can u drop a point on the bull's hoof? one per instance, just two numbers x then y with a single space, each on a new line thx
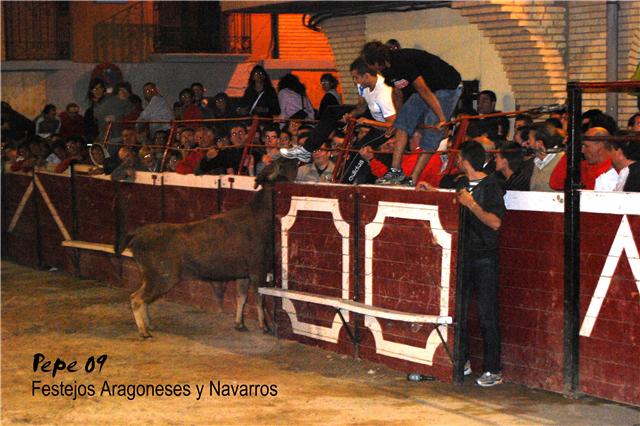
241 327
144 335
266 330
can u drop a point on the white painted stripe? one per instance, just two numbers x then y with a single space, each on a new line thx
331 205
423 212
533 201
610 202
243 183
52 209
590 202
624 241
176 179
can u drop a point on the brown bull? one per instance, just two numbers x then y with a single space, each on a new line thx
236 245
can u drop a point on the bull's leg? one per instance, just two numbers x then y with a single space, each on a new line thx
147 320
264 326
140 314
218 290
241 299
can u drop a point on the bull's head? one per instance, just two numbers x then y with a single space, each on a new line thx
280 169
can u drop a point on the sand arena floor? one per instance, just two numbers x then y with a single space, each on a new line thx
60 316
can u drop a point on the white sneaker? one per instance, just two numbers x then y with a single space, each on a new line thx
297 152
489 379
467 368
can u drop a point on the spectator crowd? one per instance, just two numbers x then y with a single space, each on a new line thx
121 133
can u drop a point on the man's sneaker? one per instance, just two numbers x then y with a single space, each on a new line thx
489 379
392 177
467 368
297 152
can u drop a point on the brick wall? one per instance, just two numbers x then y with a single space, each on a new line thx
588 48
299 42
542 45
346 36
531 42
628 55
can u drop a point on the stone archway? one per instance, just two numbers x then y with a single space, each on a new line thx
530 39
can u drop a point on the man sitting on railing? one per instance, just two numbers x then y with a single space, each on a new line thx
376 97
430 89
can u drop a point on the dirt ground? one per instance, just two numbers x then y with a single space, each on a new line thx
59 316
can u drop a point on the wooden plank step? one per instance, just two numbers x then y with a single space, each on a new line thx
87 245
357 307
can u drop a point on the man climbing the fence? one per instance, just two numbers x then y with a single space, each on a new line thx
428 89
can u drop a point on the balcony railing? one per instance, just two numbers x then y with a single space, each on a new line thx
42 31
232 35
36 30
124 37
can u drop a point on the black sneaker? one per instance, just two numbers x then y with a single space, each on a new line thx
392 177
297 152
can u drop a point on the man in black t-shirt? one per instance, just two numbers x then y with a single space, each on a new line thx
428 89
481 196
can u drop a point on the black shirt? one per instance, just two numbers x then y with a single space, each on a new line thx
489 194
520 180
409 64
268 100
633 180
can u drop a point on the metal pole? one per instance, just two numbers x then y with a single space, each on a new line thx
357 269
571 367
274 260
74 218
612 55
36 217
275 42
460 314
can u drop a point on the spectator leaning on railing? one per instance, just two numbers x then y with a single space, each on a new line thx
157 109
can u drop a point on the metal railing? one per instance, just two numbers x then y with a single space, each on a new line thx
124 37
233 36
37 30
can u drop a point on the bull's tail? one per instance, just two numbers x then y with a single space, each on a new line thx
122 238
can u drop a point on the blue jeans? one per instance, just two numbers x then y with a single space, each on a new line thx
415 111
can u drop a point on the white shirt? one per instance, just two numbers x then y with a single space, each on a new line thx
607 181
291 102
378 100
622 179
541 164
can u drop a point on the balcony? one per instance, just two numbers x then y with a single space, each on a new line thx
36 31
175 27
